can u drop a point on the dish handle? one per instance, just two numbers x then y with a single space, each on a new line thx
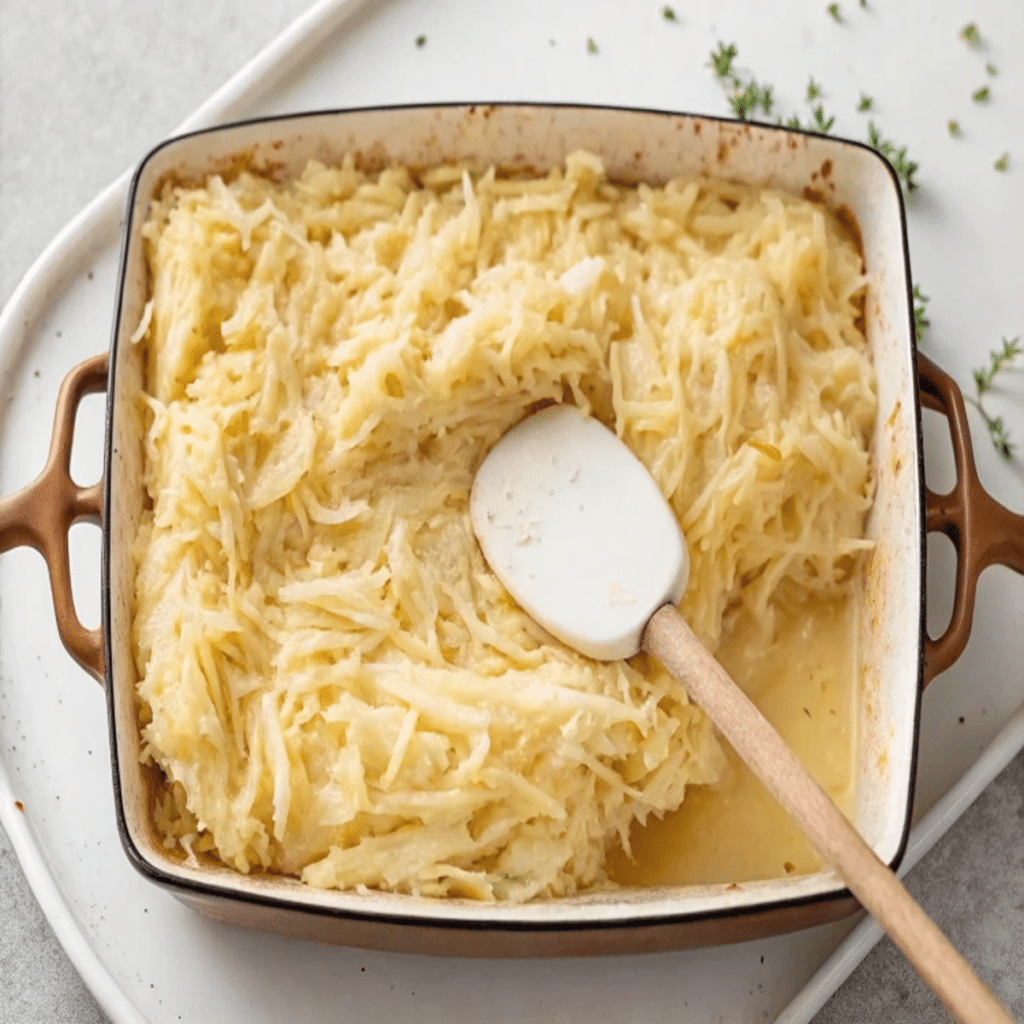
40 515
982 531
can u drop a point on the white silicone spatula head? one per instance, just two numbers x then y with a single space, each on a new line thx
575 527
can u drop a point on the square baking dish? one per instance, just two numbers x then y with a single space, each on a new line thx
635 146
894 656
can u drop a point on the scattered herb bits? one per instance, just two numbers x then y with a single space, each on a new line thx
992 70
668 14
866 103
1002 163
591 45
980 95
421 41
813 90
970 34
953 127
834 12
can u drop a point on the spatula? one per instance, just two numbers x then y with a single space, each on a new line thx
577 530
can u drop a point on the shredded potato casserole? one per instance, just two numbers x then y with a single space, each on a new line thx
332 681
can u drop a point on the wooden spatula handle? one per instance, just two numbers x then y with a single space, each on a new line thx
879 891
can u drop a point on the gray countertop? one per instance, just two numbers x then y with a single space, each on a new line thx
85 89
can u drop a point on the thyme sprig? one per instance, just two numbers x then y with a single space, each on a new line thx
749 98
905 169
985 377
983 382
746 98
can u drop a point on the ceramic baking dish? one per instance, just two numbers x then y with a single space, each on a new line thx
896 658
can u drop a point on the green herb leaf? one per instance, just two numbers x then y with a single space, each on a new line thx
920 320
954 129
866 102
970 34
722 60
668 14
793 122
905 169
980 95
591 45
421 41
833 10
1002 163
821 125
991 69
813 90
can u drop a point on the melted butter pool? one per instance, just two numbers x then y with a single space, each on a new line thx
734 831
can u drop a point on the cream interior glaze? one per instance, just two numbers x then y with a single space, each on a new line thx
735 831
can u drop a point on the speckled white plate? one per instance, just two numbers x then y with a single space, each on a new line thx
134 945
